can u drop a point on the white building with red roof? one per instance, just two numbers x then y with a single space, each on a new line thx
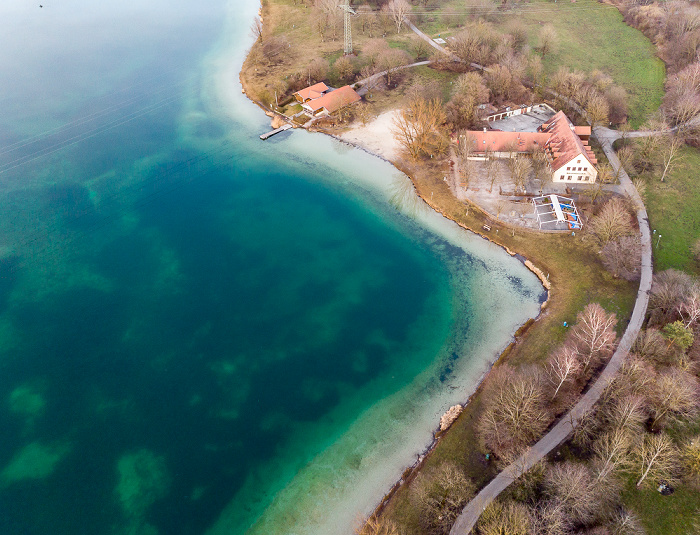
570 156
331 101
568 151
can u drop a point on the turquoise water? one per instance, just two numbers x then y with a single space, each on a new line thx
201 332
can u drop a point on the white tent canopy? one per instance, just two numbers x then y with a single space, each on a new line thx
555 212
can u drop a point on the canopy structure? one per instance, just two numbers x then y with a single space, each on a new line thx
555 212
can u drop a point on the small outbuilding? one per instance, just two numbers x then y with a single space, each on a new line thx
555 212
312 92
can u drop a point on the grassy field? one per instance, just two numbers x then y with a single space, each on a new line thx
590 36
674 212
662 515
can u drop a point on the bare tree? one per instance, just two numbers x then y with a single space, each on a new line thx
597 109
668 291
670 153
373 49
390 60
548 39
492 165
655 458
367 74
520 168
364 113
626 414
594 331
515 411
617 104
499 80
675 395
623 257
572 489
563 367
543 171
417 129
398 10
612 222
501 205
650 345
344 68
689 308
316 70
612 453
510 518
624 522
256 29
635 378
440 494
469 91
682 100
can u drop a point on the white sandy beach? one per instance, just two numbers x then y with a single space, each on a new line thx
376 136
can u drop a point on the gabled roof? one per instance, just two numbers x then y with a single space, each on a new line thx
312 92
497 141
334 100
565 143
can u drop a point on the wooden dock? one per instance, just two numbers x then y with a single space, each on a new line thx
276 131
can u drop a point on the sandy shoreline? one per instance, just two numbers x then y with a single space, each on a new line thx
376 139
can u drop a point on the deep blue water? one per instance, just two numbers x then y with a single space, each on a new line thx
181 305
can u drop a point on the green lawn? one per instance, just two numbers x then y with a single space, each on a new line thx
674 212
662 515
591 36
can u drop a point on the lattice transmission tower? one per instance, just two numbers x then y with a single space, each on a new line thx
345 6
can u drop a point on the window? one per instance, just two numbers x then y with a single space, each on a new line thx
585 168
568 168
578 161
580 177
568 177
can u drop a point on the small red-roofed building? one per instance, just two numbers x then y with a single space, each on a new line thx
332 101
312 92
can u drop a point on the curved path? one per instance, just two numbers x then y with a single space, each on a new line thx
470 514
363 83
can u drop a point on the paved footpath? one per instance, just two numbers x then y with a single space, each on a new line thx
470 514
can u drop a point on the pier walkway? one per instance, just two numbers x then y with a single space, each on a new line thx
276 131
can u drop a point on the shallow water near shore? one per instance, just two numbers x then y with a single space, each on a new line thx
201 332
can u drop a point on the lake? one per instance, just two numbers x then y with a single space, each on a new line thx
201 332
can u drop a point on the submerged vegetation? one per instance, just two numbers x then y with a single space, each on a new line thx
607 72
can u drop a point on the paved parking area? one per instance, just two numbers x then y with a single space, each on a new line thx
526 122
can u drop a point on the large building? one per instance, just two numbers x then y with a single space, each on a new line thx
566 146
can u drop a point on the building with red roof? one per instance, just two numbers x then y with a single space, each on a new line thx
566 146
312 92
332 101
568 152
